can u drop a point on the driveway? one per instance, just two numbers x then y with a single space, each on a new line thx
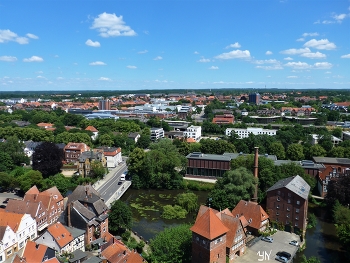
263 251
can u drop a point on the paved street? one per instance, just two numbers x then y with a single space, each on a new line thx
267 251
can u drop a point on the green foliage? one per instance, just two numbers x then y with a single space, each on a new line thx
62 183
216 146
120 217
277 149
173 245
295 152
97 169
197 185
312 220
341 214
6 180
30 178
343 232
309 260
173 212
188 201
234 186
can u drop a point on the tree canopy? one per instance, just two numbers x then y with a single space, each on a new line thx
120 217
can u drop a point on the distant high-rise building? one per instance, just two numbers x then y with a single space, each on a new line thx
104 105
254 98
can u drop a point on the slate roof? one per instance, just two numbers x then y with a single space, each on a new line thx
90 155
252 211
81 209
75 232
209 225
296 184
331 160
81 191
77 255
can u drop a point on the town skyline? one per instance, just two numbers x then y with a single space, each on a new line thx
169 45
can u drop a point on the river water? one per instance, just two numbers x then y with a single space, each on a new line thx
321 241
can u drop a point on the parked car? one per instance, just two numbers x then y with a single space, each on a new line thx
281 259
267 239
284 254
120 182
294 243
6 200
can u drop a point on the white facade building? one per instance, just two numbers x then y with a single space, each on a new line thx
8 243
244 133
157 133
194 132
316 138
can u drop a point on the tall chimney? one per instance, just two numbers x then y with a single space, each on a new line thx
256 167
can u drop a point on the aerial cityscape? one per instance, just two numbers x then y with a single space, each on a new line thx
174 131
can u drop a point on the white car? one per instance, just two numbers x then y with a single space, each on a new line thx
294 243
267 239
281 259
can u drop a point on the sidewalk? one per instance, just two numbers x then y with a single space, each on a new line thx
108 176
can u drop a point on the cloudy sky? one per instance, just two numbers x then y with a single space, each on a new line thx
174 44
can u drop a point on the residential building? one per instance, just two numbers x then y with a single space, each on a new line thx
134 136
38 253
157 133
244 133
8 242
46 126
257 218
87 211
29 147
62 239
334 169
287 203
118 252
184 111
216 235
93 130
315 138
24 227
113 155
50 208
254 98
73 150
194 132
224 119
104 104
86 160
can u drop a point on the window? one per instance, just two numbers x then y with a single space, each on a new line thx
298 202
296 210
278 192
288 201
277 214
277 207
296 217
296 223
21 244
288 209
287 215
9 252
289 194
90 239
278 198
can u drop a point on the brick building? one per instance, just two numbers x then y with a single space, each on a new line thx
287 203
73 150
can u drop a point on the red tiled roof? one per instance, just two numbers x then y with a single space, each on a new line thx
13 220
209 225
253 212
233 224
191 140
34 252
91 128
60 234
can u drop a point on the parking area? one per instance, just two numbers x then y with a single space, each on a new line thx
5 195
263 251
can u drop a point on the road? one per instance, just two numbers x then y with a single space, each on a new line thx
110 186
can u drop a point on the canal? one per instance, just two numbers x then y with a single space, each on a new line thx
147 207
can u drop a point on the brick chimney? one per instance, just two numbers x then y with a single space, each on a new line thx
256 169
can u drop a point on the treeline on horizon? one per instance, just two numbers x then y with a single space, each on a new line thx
344 94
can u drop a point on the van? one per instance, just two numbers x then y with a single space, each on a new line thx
122 177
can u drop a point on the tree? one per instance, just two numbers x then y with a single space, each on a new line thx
173 245
47 158
97 169
144 141
30 178
316 150
295 152
309 260
120 217
6 180
339 190
62 183
234 186
188 201
6 163
277 149
338 152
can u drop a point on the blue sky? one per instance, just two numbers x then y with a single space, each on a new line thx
174 44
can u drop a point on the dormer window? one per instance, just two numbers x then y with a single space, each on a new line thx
278 198
250 220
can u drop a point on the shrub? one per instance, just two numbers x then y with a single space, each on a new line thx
173 212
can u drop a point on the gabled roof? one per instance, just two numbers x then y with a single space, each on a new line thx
208 225
23 207
296 184
33 190
61 235
91 128
10 219
48 197
81 209
34 252
233 224
82 191
252 211
115 252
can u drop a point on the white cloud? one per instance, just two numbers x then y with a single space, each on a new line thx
131 67
292 77
158 58
323 65
40 77
214 67
273 67
298 65
8 58
268 52
235 45
32 36
288 58
315 34
328 72
266 61
345 56
40 72
301 39
204 60
104 79
323 44
142 52
33 59
312 55
234 54
97 63
91 43
294 51
339 18
7 36
110 25
196 52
